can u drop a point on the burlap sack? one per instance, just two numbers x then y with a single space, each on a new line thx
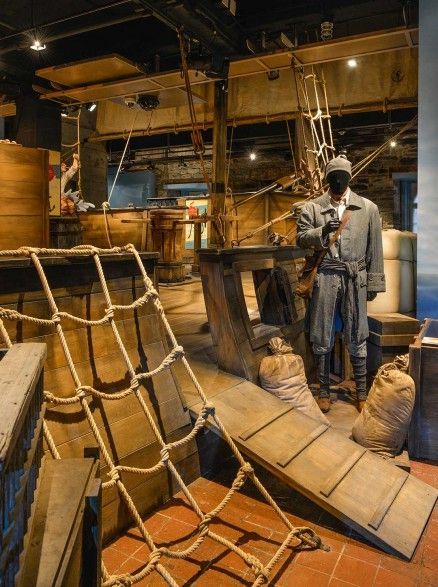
282 374
383 423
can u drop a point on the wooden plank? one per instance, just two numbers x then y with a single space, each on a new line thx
333 481
20 371
391 339
256 264
387 501
287 457
357 497
260 424
55 522
100 69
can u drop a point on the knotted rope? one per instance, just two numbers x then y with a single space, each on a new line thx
82 394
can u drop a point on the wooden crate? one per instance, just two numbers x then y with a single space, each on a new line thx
390 335
24 197
423 367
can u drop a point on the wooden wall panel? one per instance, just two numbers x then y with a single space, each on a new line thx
124 427
24 196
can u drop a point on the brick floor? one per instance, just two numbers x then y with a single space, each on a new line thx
254 527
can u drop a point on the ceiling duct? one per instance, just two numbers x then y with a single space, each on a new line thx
207 21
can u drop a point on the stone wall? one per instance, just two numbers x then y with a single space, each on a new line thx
376 181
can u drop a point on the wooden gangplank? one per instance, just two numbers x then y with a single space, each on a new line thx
379 500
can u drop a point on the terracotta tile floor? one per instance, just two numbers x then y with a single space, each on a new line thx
252 525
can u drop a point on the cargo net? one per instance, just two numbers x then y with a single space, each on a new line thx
156 563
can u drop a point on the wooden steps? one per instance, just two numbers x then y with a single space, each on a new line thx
377 499
57 545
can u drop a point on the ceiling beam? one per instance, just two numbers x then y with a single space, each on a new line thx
314 53
242 120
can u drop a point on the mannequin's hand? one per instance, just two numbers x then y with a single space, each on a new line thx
371 295
331 226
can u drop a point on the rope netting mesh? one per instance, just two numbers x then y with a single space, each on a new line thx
307 537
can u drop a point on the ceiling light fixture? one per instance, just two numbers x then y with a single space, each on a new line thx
252 156
393 144
352 63
327 29
37 45
91 107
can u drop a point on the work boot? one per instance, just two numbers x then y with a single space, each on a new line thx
359 365
323 399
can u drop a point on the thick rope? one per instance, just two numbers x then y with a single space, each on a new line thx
82 393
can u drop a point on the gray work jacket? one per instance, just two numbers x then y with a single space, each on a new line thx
361 238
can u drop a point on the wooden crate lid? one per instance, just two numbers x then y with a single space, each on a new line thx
393 323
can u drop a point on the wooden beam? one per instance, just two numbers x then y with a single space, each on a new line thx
217 201
335 110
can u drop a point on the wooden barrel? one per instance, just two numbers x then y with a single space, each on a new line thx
66 232
24 197
167 234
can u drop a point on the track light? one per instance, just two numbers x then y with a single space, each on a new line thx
352 63
37 45
91 107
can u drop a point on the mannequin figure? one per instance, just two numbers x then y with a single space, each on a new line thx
350 274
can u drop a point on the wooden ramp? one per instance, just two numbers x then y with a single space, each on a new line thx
377 499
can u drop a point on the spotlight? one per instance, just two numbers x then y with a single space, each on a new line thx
393 144
37 45
252 156
352 63
91 107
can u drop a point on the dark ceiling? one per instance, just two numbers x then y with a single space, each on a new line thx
141 30
144 31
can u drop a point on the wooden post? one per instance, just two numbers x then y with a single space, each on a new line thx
197 226
217 202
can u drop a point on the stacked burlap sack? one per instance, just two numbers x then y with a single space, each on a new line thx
282 374
383 423
400 256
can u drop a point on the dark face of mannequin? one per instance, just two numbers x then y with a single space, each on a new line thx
338 181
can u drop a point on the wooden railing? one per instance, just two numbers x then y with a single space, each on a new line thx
21 448
50 509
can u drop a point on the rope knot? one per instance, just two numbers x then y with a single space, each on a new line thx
114 474
106 206
154 557
165 453
28 251
124 580
247 469
178 352
308 537
208 410
135 384
109 312
49 397
257 568
204 524
56 318
82 390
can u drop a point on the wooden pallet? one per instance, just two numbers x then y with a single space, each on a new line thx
377 499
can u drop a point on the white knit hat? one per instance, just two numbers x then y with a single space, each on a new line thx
339 163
